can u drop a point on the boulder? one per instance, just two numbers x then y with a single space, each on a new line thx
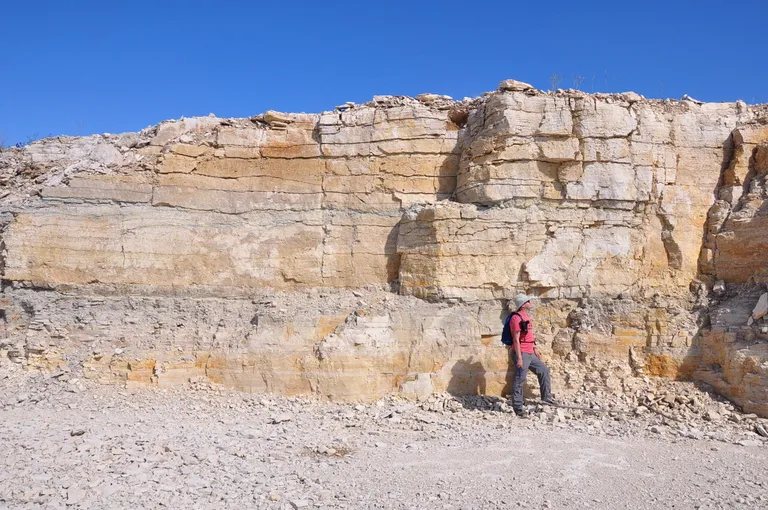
514 86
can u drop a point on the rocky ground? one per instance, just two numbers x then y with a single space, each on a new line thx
69 443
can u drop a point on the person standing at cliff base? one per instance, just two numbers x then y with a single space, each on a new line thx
525 355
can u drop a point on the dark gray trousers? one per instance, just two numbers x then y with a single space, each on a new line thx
534 364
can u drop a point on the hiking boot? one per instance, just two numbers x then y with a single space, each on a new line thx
521 413
551 401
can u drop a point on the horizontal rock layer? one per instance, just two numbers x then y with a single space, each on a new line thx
618 212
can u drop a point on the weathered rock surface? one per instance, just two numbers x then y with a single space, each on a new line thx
735 250
372 249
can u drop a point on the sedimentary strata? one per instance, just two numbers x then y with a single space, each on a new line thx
372 248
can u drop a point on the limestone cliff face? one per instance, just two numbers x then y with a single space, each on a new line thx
601 196
735 256
372 249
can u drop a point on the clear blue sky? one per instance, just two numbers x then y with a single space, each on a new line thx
81 67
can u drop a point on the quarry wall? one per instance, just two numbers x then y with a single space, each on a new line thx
373 248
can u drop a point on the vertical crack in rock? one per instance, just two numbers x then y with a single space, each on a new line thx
733 259
122 241
5 301
3 256
674 253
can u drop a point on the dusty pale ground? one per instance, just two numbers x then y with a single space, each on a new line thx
67 443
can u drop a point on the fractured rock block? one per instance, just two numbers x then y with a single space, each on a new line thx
605 181
597 119
558 150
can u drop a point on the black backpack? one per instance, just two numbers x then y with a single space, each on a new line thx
506 333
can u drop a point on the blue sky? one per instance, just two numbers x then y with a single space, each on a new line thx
82 67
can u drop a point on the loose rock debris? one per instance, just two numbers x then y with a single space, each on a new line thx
204 446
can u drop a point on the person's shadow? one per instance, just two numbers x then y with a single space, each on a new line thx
467 378
467 386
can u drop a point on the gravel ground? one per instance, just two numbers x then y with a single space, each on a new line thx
67 443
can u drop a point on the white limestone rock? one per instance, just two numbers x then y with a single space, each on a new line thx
761 308
514 86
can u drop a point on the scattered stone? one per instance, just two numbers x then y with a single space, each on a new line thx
719 288
632 97
272 117
427 98
514 86
77 432
199 441
761 308
711 415
686 97
324 450
282 418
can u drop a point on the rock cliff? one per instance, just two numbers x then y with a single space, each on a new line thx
373 248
